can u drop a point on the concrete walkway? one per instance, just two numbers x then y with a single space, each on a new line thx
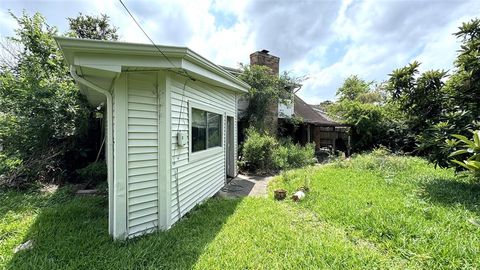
245 185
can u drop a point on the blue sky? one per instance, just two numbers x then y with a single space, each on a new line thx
325 40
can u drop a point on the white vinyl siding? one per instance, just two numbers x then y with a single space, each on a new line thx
142 152
197 179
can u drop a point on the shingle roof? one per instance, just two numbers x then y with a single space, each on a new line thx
309 115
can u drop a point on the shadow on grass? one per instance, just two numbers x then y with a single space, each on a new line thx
73 234
450 192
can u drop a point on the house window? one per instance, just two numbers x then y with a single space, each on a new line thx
206 130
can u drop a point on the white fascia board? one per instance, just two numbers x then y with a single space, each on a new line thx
209 77
115 62
195 58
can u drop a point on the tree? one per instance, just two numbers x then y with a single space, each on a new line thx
41 110
352 88
436 109
92 27
44 121
422 98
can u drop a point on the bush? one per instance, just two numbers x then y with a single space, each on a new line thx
94 173
257 151
262 153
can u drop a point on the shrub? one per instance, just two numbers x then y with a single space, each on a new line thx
94 173
263 153
257 151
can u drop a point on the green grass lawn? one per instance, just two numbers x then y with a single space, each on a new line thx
369 212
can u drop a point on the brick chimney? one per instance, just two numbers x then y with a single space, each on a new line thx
263 58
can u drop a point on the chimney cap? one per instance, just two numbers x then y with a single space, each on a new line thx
265 51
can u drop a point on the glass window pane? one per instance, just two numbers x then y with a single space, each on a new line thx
214 127
199 130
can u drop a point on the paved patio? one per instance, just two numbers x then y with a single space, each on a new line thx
245 185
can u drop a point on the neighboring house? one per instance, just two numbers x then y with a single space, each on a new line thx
171 127
315 125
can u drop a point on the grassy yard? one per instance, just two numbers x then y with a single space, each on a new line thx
373 211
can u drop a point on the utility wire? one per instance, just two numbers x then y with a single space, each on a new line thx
185 73
145 33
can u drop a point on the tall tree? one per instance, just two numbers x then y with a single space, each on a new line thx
421 97
92 27
352 88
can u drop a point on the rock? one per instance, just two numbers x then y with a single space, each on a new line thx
280 194
25 246
297 196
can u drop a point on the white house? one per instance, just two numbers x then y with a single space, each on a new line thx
171 127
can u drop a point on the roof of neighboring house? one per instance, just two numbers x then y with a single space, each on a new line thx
312 116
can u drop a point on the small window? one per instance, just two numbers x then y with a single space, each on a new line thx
206 130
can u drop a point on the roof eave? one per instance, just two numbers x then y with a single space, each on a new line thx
71 45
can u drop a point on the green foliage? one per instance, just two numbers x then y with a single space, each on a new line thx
470 148
40 105
289 155
422 98
8 163
262 152
467 84
372 125
266 91
257 151
436 109
92 27
415 112
44 121
353 88
94 173
374 121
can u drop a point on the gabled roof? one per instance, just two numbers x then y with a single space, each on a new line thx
114 57
309 115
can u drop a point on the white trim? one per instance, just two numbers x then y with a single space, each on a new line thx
167 151
194 156
73 46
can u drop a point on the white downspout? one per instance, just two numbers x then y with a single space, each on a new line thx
108 95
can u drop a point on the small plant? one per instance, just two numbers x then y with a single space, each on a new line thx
469 147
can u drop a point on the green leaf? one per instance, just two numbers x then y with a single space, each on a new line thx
464 140
476 137
460 163
458 152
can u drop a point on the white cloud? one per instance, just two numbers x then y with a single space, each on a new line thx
326 40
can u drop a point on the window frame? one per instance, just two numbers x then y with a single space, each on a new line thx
201 154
